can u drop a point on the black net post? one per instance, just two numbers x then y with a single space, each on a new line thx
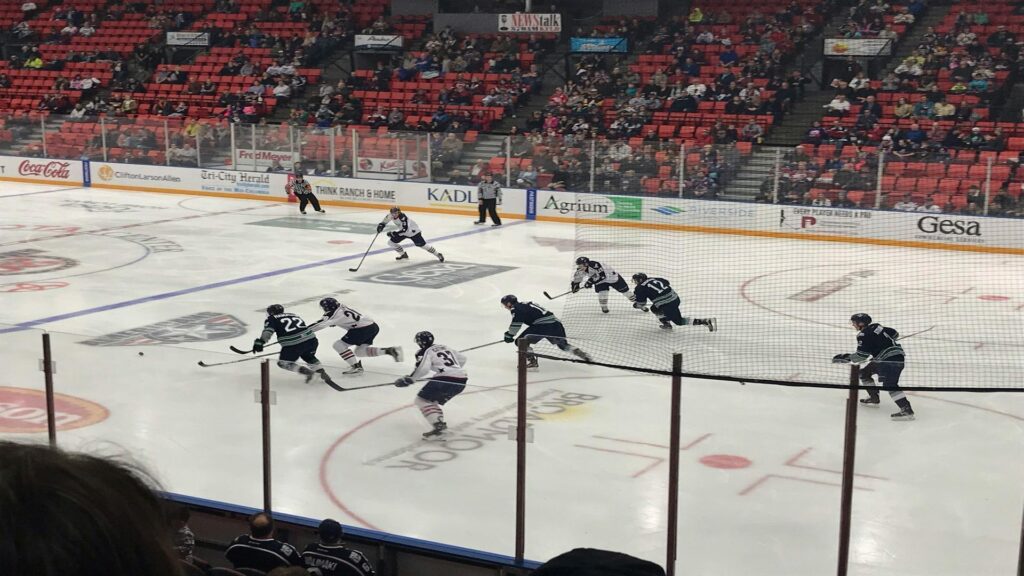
849 455
265 422
523 345
673 465
51 422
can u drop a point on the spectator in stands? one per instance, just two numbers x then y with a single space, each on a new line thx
259 550
67 513
839 106
943 110
275 166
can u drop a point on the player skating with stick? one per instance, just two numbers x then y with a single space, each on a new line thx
296 339
601 278
877 345
402 228
665 303
448 380
543 325
360 333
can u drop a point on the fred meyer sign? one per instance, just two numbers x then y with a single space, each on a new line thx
529 22
589 206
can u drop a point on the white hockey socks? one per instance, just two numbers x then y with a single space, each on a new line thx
431 410
346 352
364 350
602 297
396 247
430 249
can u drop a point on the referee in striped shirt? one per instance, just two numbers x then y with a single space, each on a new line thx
487 194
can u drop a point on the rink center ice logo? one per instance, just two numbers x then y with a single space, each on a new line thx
199 327
435 274
32 261
23 411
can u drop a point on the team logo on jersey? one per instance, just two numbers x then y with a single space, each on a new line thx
31 261
199 327
435 274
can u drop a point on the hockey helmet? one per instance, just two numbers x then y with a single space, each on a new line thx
639 278
329 305
582 262
275 309
860 319
395 212
509 301
424 339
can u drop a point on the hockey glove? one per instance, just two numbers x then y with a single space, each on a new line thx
380 228
257 345
841 359
403 382
509 337
574 287
588 284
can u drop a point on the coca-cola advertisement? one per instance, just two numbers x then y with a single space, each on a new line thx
41 170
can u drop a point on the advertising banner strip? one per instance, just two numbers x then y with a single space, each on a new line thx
529 22
41 170
598 45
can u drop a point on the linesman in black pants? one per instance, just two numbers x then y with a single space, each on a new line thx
487 194
304 191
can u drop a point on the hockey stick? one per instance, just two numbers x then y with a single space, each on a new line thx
335 386
237 351
205 365
550 297
915 333
365 253
482 346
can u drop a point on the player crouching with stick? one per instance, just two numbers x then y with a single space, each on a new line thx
296 339
448 380
665 303
543 325
403 228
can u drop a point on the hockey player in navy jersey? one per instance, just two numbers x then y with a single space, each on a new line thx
592 274
879 347
665 303
401 228
543 325
448 379
296 339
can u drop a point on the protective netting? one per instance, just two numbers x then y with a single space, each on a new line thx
783 304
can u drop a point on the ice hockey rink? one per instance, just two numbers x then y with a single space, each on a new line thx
136 288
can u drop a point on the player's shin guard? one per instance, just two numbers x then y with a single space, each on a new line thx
397 248
602 297
290 366
431 410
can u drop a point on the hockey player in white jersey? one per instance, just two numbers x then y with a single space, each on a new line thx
360 332
591 273
400 228
448 380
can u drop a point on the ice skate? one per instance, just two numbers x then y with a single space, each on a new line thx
403 256
439 429
307 372
871 401
478 222
666 326
395 352
356 368
604 309
303 212
582 355
904 414
322 211
711 323
531 362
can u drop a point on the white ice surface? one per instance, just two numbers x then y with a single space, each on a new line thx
759 483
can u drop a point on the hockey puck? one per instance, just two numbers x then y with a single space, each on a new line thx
141 354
